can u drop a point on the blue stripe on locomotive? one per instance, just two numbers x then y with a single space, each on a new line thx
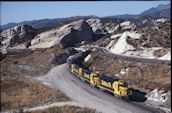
107 80
87 72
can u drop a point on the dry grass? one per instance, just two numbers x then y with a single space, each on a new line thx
17 93
65 109
38 57
16 90
140 75
34 63
103 42
161 52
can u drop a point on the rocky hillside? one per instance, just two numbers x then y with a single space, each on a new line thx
80 32
67 35
25 37
147 41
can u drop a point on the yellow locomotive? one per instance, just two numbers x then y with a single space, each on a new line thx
118 87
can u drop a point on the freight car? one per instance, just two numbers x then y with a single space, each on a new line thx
118 87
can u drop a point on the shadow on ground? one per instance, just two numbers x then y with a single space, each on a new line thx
138 96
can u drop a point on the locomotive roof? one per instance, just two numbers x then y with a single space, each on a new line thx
108 79
87 71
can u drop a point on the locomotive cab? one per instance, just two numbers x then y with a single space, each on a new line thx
94 79
121 89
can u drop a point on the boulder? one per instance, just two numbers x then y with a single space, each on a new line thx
15 36
19 33
117 28
65 36
96 25
128 25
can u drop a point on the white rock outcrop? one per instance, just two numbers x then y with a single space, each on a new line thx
122 46
66 35
16 36
166 57
87 58
161 20
128 25
159 98
96 25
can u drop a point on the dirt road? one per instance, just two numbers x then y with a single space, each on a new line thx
85 95
104 51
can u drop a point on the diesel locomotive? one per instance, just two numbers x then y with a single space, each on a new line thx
118 87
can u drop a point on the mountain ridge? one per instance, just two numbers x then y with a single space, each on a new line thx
44 22
162 10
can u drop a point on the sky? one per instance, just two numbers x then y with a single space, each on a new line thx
26 11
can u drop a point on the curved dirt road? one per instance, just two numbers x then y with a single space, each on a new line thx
85 95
